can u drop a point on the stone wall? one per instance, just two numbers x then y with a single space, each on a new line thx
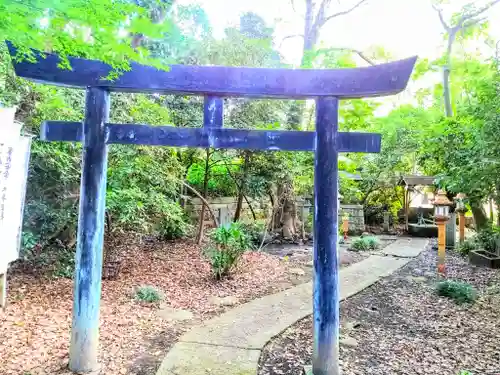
356 217
225 207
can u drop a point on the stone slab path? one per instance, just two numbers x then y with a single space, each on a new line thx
232 342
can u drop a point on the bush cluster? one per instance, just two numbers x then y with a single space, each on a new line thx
365 243
458 291
227 245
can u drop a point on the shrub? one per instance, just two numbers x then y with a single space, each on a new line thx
227 244
64 264
148 293
458 291
467 246
254 232
365 244
487 238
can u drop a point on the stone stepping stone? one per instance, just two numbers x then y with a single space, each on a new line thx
168 313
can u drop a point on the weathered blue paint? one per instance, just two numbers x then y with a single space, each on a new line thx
213 112
385 79
326 267
327 86
87 288
61 131
211 137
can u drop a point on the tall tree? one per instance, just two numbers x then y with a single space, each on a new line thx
472 14
315 17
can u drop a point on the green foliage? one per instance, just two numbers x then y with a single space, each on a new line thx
227 245
365 243
467 246
488 237
65 264
458 291
95 29
148 293
254 231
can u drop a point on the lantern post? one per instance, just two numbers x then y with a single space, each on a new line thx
461 209
441 215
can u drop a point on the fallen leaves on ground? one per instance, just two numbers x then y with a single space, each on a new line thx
400 326
35 328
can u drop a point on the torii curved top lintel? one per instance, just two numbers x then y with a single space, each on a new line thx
379 80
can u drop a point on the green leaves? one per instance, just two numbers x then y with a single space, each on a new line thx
93 29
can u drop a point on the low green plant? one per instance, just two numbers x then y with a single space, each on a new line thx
467 246
458 291
64 265
254 231
148 293
227 244
365 243
487 238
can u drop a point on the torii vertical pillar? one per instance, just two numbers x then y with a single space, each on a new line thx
214 82
89 252
326 288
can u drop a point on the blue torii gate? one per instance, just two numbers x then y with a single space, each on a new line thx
214 82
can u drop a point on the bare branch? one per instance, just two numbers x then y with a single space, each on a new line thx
347 11
290 37
441 17
292 2
357 52
469 16
472 22
203 200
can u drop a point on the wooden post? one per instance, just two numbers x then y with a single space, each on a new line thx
461 226
326 291
87 288
441 246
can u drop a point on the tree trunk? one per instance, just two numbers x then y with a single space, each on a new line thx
480 218
205 193
241 192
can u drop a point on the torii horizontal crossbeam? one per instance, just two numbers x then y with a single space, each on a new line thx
379 80
211 137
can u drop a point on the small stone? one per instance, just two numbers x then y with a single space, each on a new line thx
418 279
224 301
417 272
310 264
349 342
297 271
349 326
308 370
171 314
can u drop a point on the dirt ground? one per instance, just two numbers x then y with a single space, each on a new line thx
400 326
35 327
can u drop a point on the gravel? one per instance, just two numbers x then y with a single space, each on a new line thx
400 326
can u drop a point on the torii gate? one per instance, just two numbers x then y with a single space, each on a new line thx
214 82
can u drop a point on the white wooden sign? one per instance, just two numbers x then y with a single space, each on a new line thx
14 159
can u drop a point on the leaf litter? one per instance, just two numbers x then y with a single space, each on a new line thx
400 326
35 327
